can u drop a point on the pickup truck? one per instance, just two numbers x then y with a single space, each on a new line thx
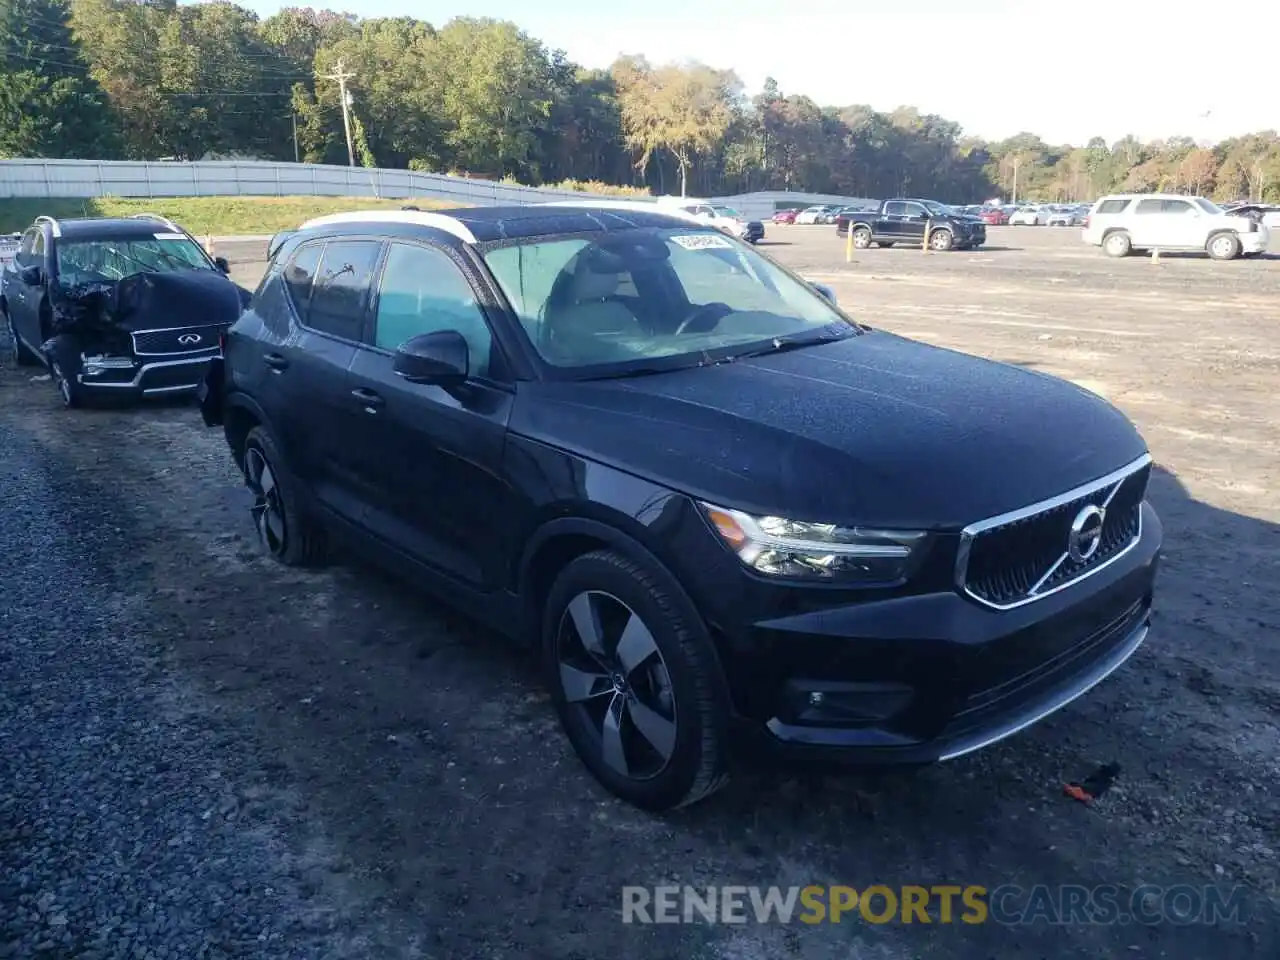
904 221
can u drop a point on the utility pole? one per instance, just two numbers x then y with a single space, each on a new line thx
341 77
1016 161
294 114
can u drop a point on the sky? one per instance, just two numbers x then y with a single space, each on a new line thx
1067 71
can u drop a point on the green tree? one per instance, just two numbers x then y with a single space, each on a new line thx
49 104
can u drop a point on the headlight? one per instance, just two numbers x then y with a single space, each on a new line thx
816 551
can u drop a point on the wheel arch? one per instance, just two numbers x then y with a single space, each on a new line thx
559 541
243 413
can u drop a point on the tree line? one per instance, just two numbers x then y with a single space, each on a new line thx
149 79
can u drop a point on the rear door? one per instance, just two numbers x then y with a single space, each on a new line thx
431 457
891 224
1148 225
307 372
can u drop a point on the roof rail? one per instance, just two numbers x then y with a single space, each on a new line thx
53 224
155 216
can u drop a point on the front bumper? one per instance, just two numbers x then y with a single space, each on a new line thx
922 678
134 377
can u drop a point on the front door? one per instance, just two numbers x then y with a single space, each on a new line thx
914 221
434 456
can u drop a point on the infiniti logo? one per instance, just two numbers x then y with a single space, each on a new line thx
1086 533
189 338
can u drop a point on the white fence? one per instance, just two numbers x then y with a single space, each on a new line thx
223 178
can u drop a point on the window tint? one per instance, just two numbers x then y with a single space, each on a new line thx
1112 206
299 273
341 287
895 209
1149 206
1177 206
423 291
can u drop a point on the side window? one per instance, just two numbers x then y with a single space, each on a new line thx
1112 206
1178 206
341 287
37 248
895 208
1149 206
299 273
423 291
915 210
29 242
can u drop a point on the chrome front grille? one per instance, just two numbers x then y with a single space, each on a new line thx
1026 555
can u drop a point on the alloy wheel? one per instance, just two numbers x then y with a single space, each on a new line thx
63 384
614 678
268 509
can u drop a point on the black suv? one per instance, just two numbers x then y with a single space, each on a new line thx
717 505
127 307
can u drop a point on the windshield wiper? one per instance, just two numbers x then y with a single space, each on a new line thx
783 344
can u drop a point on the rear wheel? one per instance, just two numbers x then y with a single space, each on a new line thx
1117 244
635 681
1224 246
288 534
862 238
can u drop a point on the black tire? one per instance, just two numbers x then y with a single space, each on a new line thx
1223 246
682 756
69 389
941 239
885 244
19 353
1117 244
287 532
862 238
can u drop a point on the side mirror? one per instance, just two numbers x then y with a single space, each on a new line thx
31 276
438 358
222 264
826 291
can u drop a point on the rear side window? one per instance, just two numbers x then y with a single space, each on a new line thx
299 273
341 287
1112 206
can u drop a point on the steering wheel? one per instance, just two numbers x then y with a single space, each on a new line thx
709 313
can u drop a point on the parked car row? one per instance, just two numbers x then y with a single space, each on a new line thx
579 423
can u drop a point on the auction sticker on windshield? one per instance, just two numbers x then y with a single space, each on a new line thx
702 241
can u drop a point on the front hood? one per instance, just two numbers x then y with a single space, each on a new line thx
181 298
876 430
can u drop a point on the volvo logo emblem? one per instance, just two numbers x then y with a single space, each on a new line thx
1086 533
189 338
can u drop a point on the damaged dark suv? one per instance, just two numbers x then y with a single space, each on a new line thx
129 307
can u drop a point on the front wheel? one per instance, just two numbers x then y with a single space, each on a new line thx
635 681
69 390
941 240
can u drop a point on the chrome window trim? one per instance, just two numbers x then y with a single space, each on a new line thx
971 532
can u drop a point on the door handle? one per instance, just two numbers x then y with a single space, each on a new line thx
275 361
371 400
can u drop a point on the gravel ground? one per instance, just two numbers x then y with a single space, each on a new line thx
202 754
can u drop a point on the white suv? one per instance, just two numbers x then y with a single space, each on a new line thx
1123 223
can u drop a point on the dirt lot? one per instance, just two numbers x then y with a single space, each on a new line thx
410 772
